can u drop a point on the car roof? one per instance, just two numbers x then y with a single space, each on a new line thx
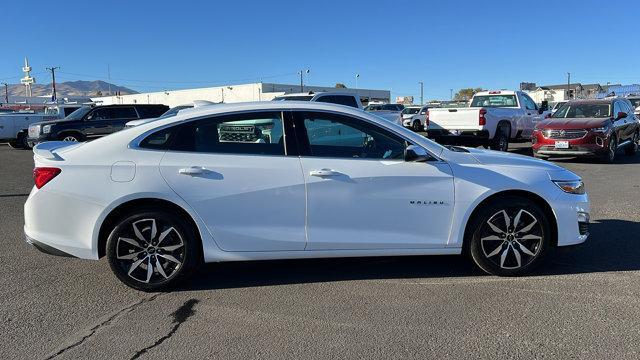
591 101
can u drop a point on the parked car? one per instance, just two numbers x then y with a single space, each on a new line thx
418 121
588 128
341 98
320 180
409 120
389 112
14 125
493 119
90 122
171 112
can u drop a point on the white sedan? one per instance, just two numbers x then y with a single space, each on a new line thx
284 180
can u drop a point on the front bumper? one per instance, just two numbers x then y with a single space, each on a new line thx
590 145
572 217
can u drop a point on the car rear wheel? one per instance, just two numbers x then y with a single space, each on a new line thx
417 126
610 156
500 140
152 250
509 236
633 148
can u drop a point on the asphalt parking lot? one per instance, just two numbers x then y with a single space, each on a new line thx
583 303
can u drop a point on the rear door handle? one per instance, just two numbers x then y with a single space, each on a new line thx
323 173
193 170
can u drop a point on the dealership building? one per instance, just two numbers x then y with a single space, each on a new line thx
234 93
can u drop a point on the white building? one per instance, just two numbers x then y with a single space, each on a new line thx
232 94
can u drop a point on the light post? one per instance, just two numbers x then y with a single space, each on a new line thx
301 73
357 76
421 92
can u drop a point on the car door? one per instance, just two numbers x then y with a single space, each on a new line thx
627 122
619 125
97 122
234 172
361 194
530 116
120 115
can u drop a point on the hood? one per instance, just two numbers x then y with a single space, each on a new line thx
500 158
572 123
50 122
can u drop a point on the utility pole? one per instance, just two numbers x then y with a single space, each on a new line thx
53 78
6 93
421 92
109 77
568 86
301 73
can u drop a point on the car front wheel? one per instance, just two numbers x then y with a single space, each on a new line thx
632 149
509 236
152 250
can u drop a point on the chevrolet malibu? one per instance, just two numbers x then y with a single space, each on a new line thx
276 180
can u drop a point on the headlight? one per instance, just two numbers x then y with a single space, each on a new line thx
600 129
46 129
570 186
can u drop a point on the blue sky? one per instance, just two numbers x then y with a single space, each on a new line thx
156 45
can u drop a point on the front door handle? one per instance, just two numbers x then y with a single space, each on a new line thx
323 173
193 170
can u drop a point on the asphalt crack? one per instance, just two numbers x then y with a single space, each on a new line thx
104 323
181 315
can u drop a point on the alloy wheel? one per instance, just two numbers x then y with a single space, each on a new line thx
150 251
511 239
70 138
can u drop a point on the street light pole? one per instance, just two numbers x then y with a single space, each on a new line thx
568 86
451 91
421 92
357 76
53 78
301 73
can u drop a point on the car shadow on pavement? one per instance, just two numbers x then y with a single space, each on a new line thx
614 245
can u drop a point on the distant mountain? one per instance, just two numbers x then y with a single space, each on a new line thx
70 88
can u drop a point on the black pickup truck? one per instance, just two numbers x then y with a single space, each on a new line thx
91 122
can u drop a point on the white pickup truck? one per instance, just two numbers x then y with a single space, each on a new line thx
13 126
493 119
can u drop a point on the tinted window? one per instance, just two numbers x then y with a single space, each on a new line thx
338 136
339 99
151 111
69 110
160 139
125 112
293 98
253 133
100 114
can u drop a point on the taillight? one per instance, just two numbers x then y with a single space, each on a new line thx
481 119
426 119
42 175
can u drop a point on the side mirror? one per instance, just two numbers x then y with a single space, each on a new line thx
415 153
540 111
621 115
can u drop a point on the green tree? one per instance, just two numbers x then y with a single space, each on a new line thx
466 94
341 86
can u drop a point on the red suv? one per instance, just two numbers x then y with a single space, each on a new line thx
588 128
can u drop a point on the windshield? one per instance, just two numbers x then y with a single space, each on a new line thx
557 106
494 101
579 111
296 98
78 114
410 111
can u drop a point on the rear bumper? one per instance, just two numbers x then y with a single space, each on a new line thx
462 137
45 248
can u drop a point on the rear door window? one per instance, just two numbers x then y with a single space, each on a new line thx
124 112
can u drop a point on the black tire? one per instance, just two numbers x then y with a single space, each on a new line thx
416 126
500 141
72 137
632 149
14 144
610 156
515 249
131 258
